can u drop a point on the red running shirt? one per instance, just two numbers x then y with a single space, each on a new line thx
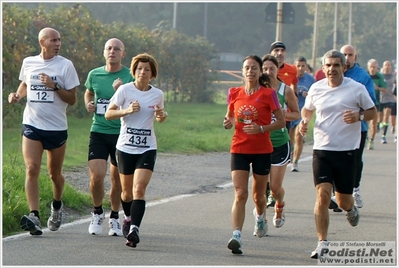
288 73
256 108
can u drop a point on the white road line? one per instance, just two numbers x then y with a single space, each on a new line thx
150 204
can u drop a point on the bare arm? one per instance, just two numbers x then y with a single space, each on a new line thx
228 120
15 97
292 103
160 114
89 101
113 112
370 114
279 123
68 96
306 117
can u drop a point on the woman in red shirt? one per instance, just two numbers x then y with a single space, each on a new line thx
250 109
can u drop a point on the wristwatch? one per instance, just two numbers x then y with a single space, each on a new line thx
57 86
361 116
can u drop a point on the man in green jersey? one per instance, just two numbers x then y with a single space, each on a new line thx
100 85
379 86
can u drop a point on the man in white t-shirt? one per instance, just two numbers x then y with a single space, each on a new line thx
49 83
340 104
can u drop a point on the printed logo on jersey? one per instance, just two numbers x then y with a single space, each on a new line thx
247 114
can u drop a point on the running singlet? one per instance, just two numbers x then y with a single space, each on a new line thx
256 108
280 137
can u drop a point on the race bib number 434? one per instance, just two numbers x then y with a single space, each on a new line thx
138 137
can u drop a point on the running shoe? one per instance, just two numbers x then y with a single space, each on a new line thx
395 139
370 145
294 167
234 244
279 217
55 219
126 227
114 227
353 216
133 237
31 223
322 246
95 227
260 229
334 205
270 200
384 140
357 197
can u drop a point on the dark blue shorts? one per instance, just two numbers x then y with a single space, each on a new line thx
50 139
387 105
260 163
128 163
102 146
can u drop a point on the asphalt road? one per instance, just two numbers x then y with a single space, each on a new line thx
193 229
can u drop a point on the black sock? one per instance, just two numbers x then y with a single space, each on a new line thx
36 213
126 207
385 129
114 214
57 204
137 212
98 210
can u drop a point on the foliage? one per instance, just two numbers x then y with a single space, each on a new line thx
373 27
184 61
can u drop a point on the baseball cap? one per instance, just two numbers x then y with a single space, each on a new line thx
276 45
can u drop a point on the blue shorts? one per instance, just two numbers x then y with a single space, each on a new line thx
387 105
51 139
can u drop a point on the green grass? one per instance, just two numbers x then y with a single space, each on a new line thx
189 128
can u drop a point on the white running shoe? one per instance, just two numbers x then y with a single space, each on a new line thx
358 197
322 246
114 227
260 229
55 219
95 227
279 222
294 167
234 244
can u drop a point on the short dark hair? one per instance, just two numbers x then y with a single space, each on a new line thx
300 58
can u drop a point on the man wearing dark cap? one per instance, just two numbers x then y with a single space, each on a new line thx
286 72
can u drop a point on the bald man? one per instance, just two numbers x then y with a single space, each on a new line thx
49 82
100 85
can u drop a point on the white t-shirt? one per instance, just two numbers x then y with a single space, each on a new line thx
137 133
44 108
331 133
